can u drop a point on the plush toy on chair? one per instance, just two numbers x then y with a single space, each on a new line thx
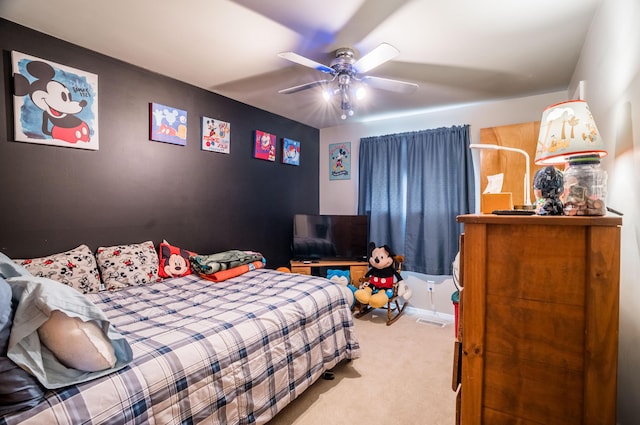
377 290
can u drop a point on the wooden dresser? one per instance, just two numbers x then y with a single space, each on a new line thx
539 320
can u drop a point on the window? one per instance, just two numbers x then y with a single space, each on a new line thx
413 186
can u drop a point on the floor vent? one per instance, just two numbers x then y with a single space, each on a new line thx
432 322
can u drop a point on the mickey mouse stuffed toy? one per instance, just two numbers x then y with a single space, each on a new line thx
377 290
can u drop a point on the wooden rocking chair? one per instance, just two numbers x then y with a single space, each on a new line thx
396 304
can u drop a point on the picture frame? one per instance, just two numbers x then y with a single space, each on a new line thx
54 104
264 146
215 135
340 161
167 124
290 152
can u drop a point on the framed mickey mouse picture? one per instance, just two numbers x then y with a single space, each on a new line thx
264 146
167 124
54 104
290 151
340 161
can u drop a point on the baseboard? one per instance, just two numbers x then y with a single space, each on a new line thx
430 315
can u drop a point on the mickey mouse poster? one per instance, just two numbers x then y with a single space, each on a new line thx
340 161
54 104
216 135
264 146
167 124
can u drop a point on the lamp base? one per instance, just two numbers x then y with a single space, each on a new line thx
585 186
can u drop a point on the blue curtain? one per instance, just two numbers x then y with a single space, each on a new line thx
412 186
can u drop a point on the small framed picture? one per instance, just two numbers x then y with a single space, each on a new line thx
167 124
290 152
340 161
264 146
216 135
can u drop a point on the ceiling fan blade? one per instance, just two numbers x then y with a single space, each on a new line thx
370 15
390 85
301 60
304 86
381 54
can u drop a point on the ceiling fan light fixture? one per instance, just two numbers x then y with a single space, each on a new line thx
346 72
345 99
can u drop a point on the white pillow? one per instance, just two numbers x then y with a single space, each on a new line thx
76 268
128 265
77 344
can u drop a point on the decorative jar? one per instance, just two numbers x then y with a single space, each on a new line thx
585 186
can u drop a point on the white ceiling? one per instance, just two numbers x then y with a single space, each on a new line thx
457 51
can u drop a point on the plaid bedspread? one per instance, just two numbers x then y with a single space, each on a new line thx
232 352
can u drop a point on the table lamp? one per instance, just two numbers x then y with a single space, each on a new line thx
568 135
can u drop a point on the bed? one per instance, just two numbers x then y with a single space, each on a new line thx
231 352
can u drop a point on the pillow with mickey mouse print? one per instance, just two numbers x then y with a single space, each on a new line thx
76 268
174 261
128 265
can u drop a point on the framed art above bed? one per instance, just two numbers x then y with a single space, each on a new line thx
54 104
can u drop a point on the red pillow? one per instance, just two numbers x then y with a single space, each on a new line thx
174 261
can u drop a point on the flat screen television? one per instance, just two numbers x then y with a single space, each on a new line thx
330 237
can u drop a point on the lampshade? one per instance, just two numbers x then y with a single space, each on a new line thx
567 129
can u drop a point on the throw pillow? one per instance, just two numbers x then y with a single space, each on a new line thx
128 265
76 268
174 261
36 299
77 344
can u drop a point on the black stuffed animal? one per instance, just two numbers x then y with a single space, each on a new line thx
382 277
548 184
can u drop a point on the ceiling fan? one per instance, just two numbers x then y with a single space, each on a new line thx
348 72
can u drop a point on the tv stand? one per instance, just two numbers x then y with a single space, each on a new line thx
357 269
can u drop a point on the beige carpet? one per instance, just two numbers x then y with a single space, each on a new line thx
403 377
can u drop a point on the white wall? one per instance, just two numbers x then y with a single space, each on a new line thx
341 196
610 67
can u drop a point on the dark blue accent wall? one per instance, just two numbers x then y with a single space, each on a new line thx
133 189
